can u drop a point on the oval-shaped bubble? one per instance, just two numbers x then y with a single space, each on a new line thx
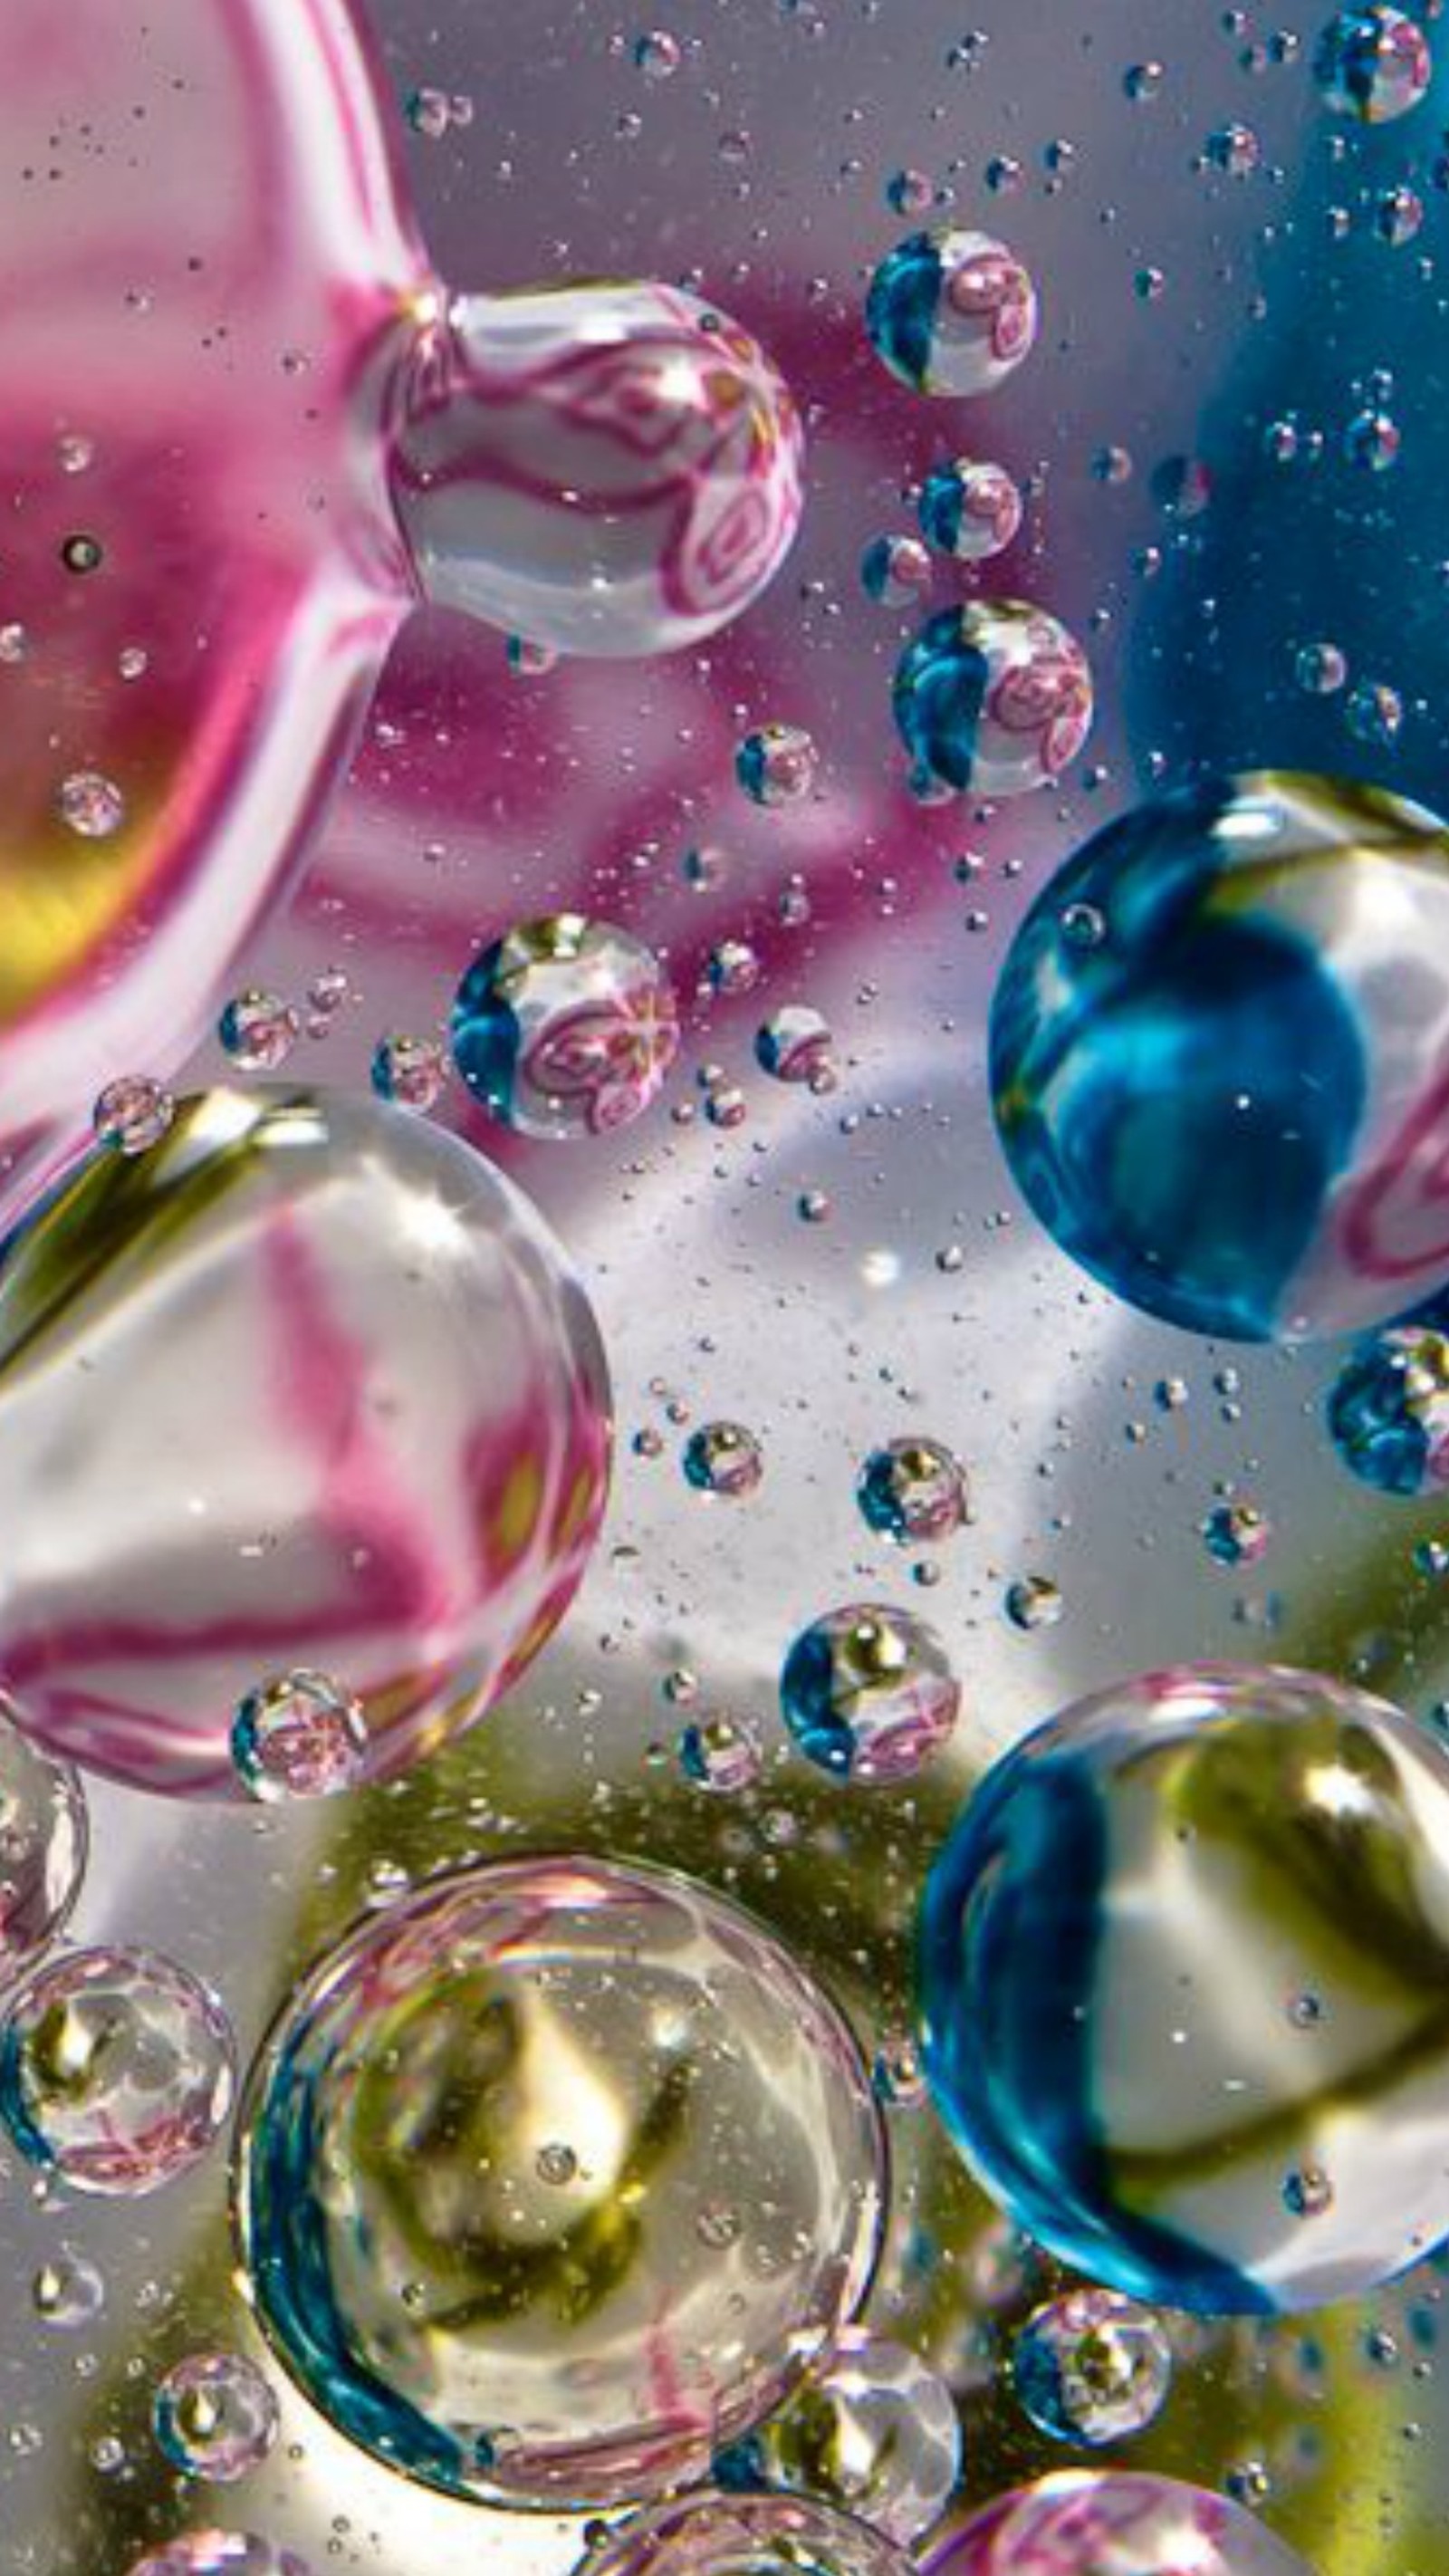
307 1387
554 2176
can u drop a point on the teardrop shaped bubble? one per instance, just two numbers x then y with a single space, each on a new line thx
308 1387
237 446
43 1844
725 2535
1113 2522
553 2177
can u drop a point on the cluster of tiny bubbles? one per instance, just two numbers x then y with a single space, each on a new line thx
132 1114
724 1458
867 1692
258 1030
1191 1846
723 1753
43 1844
1388 1407
298 1735
994 697
565 1027
117 2070
951 311
219 2553
874 2431
92 805
715 2533
895 571
1236 1533
215 2417
1112 2522
68 2291
795 1045
1373 62
914 1491
411 1071
971 509
1092 2367
1034 1601
777 764
554 2175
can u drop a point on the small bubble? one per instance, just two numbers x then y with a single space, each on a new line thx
91 804
132 1114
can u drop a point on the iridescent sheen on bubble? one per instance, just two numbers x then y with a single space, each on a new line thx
744 2535
873 2430
117 2070
1092 2367
914 1491
44 1838
1388 1407
1373 63
1110 1947
951 311
994 697
565 1027
970 509
215 2416
306 1387
868 1693
1230 1103
1113 2522
553 2177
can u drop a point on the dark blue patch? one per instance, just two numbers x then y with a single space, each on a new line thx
900 310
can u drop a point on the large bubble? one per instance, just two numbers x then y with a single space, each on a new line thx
1112 2522
43 1838
307 1386
554 2178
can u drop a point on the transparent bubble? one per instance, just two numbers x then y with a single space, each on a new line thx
1034 1601
117 2070
69 2291
219 2553
215 2417
723 1754
658 54
565 1027
1388 1409
372 1406
895 571
1237 1533
258 1030
908 192
1321 669
1092 2367
795 1045
868 1693
92 805
724 1458
777 764
1372 62
1234 149
970 509
913 1490
994 697
43 1844
951 311
411 1071
499 2335
896 2074
1113 2522
726 2535
733 966
299 1736
133 1114
873 2431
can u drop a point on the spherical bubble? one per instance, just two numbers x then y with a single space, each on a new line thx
795 1045
867 1692
1113 2522
1388 1408
531 496
1237 1533
91 804
723 1754
411 1071
565 1027
913 1490
117 2070
777 764
1186 1850
873 2430
970 509
1092 2367
724 1458
1373 62
1034 1601
951 312
723 2535
307 1386
69 2291
132 1114
895 571
299 1736
258 1030
219 2553
43 1843
1229 1107
524 2328
994 696
215 2417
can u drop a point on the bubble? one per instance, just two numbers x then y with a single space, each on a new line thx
215 2417
117 2070
994 697
1321 669
908 192
913 1490
1182 487
309 1380
258 1030
1375 714
565 1027
872 2431
722 2535
1372 440
614 543
1227 1111
411 1071
219 2553
951 312
528 661
299 1736
1092 2368
867 1692
82 554
1113 2522
1139 2110
43 1844
795 1045
429 112
895 2074
1237 1533
777 764
722 1754
1034 1601
724 1458
1388 1409
132 1114
69 2291
658 54
970 509
520 2341
895 571
1399 217
1372 62
93 806
1234 149
732 967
